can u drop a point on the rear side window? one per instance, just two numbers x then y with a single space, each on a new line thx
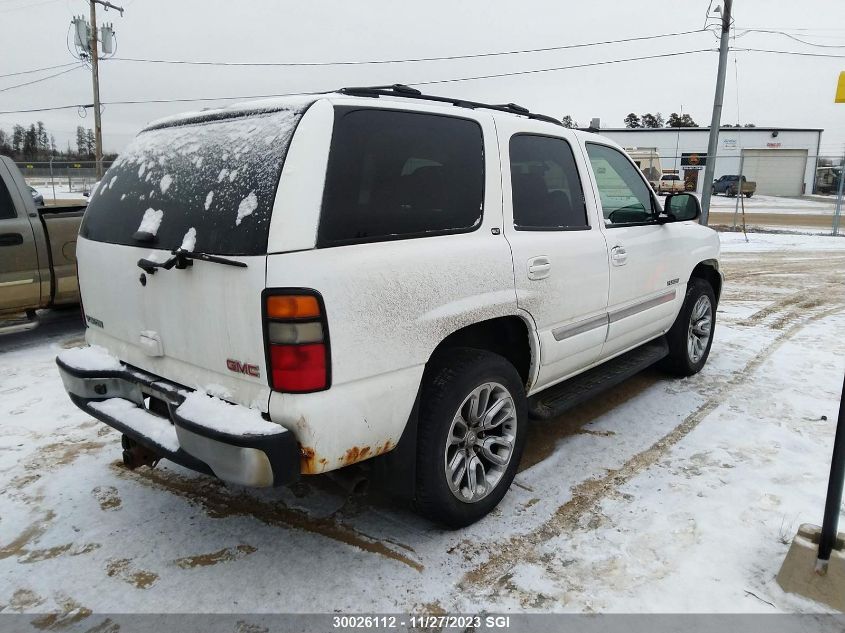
396 175
547 193
217 177
7 208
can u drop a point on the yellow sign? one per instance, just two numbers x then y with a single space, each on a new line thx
840 88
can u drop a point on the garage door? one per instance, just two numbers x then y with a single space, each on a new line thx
778 172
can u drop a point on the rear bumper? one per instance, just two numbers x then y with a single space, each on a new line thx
117 397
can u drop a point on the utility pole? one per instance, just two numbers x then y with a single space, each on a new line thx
838 213
95 76
716 120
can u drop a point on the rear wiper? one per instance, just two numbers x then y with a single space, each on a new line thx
185 259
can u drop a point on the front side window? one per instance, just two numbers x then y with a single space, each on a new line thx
625 197
398 175
546 190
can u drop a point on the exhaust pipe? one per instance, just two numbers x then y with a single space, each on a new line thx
353 480
135 454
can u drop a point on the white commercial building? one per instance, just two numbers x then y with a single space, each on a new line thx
781 160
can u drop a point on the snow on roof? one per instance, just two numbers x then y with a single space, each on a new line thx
293 102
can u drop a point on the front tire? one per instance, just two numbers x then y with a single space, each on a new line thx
472 430
691 336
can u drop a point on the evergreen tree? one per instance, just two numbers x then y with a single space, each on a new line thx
568 122
676 120
652 120
90 142
17 140
81 141
42 139
30 143
632 121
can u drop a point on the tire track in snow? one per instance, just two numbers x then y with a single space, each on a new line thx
521 548
220 503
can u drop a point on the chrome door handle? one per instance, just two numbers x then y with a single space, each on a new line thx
618 255
539 267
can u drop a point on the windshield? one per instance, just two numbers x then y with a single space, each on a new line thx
207 184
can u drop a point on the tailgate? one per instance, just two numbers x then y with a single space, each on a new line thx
198 185
200 327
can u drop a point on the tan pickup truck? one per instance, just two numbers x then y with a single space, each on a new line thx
37 248
668 183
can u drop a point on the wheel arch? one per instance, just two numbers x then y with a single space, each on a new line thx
512 337
507 336
708 270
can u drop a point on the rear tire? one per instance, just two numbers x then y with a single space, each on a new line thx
691 336
749 194
464 465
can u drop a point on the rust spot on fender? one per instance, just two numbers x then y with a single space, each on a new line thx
388 445
355 454
307 460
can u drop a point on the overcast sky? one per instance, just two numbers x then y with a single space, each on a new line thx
772 90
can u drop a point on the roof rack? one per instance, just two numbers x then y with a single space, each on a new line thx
401 90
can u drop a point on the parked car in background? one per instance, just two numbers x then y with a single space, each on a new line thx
730 185
37 197
37 247
669 183
322 280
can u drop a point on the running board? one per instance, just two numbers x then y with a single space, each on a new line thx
554 401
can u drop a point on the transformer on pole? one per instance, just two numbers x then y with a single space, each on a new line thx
85 38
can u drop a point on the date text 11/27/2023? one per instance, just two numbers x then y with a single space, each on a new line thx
435 622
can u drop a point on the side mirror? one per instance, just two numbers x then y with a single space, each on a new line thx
681 207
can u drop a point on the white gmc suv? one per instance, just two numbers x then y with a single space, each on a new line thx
287 287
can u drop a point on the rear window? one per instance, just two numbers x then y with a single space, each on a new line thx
396 175
217 177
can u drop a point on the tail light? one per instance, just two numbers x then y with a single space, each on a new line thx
297 339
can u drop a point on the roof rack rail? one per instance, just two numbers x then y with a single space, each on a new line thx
401 90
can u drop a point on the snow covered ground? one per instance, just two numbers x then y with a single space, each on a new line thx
63 192
662 495
806 205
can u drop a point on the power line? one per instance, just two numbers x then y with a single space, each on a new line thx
412 59
37 70
798 53
546 70
35 81
25 6
792 37
418 83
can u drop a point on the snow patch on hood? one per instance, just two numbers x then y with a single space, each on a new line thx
151 221
208 199
246 207
165 183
